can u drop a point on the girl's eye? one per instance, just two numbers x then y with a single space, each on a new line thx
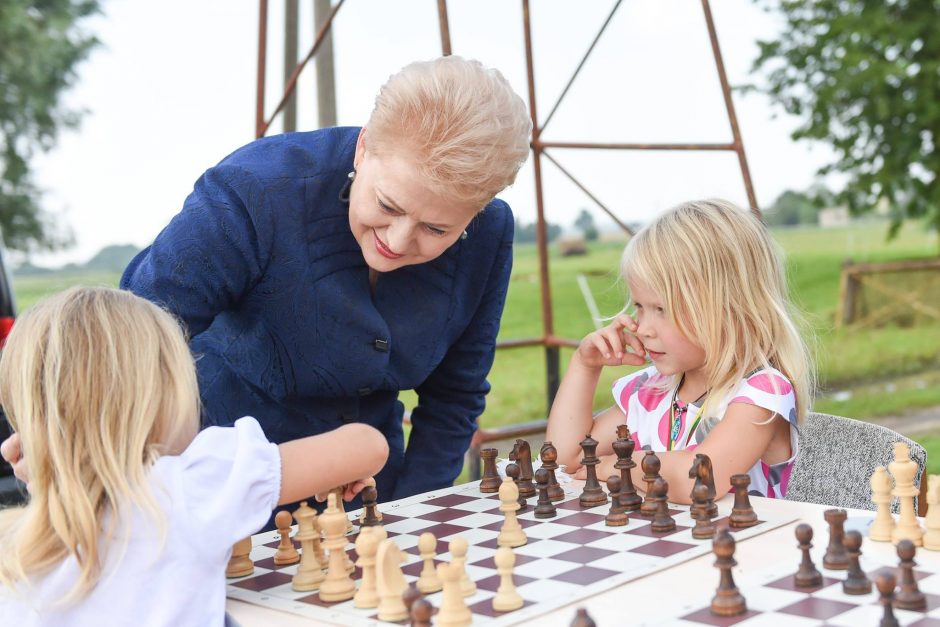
660 310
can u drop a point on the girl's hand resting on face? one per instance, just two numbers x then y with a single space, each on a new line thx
12 453
609 346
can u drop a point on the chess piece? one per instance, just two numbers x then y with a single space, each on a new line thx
286 551
428 581
309 573
511 533
855 580
421 612
409 597
367 546
370 482
582 619
704 527
662 521
458 552
728 600
909 596
507 598
883 524
513 472
549 457
389 582
835 558
704 475
453 611
544 507
593 494
903 469
338 586
490 480
617 517
742 514
240 564
342 510
650 465
369 499
806 576
932 536
523 457
885 583
624 445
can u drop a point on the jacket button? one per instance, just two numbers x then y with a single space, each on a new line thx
381 345
365 391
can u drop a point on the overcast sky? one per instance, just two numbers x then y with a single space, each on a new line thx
171 91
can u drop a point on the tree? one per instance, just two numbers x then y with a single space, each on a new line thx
41 46
585 222
865 77
525 233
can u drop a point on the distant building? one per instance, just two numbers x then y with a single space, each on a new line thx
834 216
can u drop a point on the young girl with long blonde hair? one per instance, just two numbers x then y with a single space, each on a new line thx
731 376
132 514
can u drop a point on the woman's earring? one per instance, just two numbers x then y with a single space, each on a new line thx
463 235
351 176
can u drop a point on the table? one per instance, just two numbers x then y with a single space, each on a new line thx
678 589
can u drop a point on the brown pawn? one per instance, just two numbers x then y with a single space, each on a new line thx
286 551
409 596
623 447
650 465
662 521
544 507
742 514
421 612
617 517
523 457
549 457
512 471
806 576
885 583
593 494
582 619
490 480
835 558
728 600
369 502
909 596
704 527
855 580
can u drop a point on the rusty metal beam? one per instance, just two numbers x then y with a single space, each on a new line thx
584 189
445 27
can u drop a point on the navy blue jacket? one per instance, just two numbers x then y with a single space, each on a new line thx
264 272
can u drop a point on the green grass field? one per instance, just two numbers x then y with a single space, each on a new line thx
846 358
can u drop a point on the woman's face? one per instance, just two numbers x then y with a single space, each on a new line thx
395 218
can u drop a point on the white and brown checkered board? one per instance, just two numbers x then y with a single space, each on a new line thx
567 558
774 600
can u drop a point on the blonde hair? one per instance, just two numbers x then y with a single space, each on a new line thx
98 383
462 125
724 287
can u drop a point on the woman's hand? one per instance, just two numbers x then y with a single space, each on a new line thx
12 452
610 346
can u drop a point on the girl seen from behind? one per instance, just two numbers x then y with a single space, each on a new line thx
731 376
132 515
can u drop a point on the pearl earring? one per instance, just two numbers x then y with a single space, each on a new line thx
351 176
463 235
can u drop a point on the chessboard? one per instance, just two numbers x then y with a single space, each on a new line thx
567 558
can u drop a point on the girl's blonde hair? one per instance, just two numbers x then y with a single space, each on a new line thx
724 286
98 383
462 125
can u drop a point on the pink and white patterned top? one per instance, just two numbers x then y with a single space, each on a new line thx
645 399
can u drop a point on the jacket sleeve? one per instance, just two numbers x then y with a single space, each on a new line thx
211 253
452 398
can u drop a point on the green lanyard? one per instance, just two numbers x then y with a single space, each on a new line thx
674 425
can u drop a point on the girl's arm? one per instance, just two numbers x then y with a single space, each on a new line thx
319 463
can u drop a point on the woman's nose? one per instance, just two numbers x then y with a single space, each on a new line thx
399 234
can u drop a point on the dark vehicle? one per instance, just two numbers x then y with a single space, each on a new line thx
10 489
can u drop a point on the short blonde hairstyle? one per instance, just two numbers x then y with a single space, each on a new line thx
724 286
98 383
463 126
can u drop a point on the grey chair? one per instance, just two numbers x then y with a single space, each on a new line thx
837 457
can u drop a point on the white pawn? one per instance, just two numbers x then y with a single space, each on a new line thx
286 551
453 611
883 525
428 582
507 598
240 564
367 544
932 537
458 551
390 582
511 533
338 586
339 504
903 469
